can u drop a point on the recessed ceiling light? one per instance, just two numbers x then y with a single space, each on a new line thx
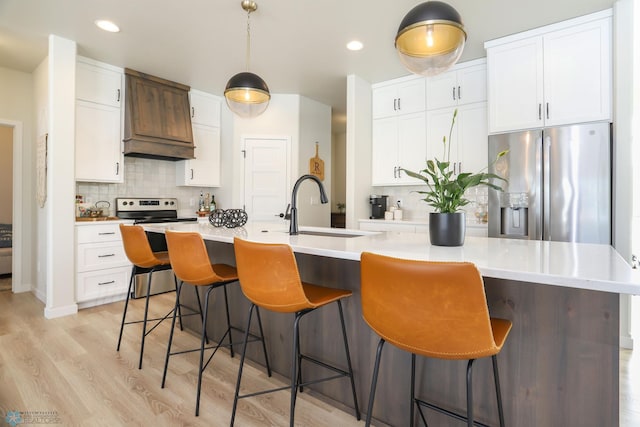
107 26
355 45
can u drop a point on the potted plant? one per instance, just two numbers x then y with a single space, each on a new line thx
445 194
341 207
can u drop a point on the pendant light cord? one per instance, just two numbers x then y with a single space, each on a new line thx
248 38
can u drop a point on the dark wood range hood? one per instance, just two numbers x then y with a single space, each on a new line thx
157 120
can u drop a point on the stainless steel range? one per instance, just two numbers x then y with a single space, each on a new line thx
148 211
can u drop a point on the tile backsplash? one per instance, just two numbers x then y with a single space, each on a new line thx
145 178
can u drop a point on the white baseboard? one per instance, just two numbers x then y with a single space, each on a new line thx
40 294
626 342
104 300
67 310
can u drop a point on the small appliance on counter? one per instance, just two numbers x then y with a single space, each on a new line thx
378 206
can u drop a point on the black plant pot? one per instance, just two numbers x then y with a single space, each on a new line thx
447 229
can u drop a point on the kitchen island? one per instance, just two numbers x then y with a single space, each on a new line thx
558 367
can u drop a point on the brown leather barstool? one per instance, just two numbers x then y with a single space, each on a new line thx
432 309
192 266
144 260
269 279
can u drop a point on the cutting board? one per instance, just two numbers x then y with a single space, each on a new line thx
316 165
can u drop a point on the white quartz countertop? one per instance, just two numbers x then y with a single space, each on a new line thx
575 265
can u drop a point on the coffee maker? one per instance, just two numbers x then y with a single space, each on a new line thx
378 206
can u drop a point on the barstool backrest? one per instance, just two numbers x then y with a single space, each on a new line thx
435 309
269 276
136 246
189 258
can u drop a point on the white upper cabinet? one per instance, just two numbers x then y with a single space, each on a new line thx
399 96
97 83
205 108
468 146
204 170
465 83
398 142
98 135
555 75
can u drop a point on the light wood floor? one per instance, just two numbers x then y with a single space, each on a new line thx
69 367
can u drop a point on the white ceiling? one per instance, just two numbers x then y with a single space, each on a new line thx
298 46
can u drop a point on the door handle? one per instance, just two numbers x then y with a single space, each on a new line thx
111 282
106 234
395 104
117 168
106 256
399 106
459 93
118 96
539 111
193 112
191 173
453 93
547 110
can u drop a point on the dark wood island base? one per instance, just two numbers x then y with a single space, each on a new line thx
558 368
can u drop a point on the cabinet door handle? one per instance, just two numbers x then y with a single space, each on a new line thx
454 168
109 233
111 282
118 96
453 93
192 173
459 167
395 171
539 111
399 107
395 104
459 93
106 255
193 112
547 110
117 168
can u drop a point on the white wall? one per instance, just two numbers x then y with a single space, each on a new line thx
315 125
16 105
59 209
41 103
338 169
358 150
6 174
301 119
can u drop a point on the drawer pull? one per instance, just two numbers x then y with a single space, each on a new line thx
106 233
106 283
106 256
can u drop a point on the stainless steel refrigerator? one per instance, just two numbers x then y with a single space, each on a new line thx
559 184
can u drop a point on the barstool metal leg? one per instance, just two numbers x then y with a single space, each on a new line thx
126 305
226 306
173 324
374 381
298 360
496 379
294 367
264 346
195 289
202 339
346 349
413 389
244 352
175 280
146 314
470 393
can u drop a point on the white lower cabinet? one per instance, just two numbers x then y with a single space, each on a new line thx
102 267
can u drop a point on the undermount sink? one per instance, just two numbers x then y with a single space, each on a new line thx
330 234
336 232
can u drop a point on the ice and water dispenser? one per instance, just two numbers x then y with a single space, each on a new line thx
514 214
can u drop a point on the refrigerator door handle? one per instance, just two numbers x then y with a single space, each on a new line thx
546 190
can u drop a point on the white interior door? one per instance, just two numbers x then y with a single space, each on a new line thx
267 172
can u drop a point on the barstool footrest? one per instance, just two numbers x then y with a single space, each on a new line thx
444 411
342 372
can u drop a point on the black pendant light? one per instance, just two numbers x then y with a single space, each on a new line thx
430 38
246 93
